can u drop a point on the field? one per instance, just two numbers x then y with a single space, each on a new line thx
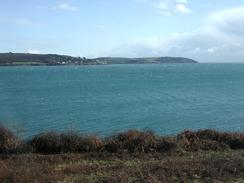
189 167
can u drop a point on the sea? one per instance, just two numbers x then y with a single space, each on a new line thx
106 99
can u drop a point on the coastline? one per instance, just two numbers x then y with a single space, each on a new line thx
42 65
19 59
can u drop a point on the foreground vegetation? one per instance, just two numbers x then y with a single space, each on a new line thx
132 156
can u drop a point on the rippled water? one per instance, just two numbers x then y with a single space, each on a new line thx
107 99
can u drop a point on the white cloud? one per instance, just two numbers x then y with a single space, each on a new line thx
219 39
31 51
169 7
66 6
229 21
212 50
182 8
196 50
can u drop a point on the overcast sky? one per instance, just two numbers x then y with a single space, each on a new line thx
205 30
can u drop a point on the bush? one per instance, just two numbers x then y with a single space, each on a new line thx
188 140
9 143
201 140
78 143
132 141
166 144
209 134
211 140
112 146
138 141
53 143
47 143
233 140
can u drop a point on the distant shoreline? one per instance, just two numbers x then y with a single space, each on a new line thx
43 65
24 59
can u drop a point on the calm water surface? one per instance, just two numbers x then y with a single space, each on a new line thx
107 99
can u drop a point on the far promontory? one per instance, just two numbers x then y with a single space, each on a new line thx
18 59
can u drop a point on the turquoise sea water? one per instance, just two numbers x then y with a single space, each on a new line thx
107 99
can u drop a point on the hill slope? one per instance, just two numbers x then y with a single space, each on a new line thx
14 59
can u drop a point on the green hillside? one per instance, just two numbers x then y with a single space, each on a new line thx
16 59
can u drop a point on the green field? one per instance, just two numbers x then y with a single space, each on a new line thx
28 63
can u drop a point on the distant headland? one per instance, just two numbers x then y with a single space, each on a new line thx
26 59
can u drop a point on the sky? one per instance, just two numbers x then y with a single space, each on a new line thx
204 30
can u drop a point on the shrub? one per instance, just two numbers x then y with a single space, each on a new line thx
165 144
209 134
212 145
47 143
69 143
201 140
53 143
131 141
90 144
9 143
112 146
233 140
138 141
188 140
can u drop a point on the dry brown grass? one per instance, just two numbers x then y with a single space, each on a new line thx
132 156
189 167
132 141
